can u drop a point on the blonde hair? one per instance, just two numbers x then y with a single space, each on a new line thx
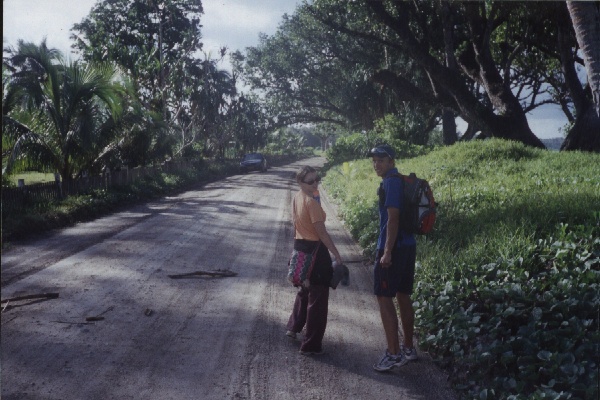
302 172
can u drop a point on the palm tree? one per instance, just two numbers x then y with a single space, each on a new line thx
57 115
211 103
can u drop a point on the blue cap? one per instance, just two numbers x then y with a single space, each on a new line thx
383 150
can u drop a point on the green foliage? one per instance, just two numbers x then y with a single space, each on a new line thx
412 125
41 216
523 326
7 181
44 215
287 141
357 145
311 73
508 283
181 99
130 33
58 116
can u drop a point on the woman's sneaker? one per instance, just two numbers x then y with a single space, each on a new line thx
294 335
409 353
312 353
389 361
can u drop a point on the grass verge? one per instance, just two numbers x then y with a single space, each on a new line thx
508 288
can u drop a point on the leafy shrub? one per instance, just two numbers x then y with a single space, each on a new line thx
409 126
44 215
521 327
6 181
507 295
357 145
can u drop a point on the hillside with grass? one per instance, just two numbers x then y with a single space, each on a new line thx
507 293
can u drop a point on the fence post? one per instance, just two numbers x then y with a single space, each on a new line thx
58 185
107 178
21 183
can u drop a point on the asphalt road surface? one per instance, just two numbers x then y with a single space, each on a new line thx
199 337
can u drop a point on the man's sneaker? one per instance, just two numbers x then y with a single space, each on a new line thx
294 335
389 361
312 353
409 353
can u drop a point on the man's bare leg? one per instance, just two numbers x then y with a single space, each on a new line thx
407 317
389 318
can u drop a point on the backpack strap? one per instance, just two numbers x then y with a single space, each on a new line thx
397 175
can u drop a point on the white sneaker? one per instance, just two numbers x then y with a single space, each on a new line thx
409 353
389 361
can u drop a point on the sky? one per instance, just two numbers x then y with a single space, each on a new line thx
235 24
232 23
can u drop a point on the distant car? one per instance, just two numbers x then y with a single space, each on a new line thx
253 162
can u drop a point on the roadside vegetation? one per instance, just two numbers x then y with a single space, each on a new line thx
507 298
41 216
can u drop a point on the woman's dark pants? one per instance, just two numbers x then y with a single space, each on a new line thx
310 309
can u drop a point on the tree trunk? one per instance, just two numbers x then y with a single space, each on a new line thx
450 135
585 134
449 127
470 133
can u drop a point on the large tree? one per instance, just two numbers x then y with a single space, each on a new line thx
310 73
153 40
481 90
158 42
58 116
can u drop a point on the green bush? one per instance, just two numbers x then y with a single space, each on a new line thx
357 145
523 326
41 216
508 283
44 215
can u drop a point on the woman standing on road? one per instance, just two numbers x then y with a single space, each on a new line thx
311 305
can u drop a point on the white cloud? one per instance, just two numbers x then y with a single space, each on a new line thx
235 15
235 24
32 20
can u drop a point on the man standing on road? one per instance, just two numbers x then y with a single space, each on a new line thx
394 270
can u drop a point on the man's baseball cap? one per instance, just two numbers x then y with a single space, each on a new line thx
382 150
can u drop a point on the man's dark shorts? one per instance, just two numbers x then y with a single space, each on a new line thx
398 277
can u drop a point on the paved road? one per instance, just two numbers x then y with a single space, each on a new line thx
196 338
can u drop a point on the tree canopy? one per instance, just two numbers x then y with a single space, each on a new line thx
159 44
488 62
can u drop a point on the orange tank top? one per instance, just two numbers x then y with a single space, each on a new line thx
305 212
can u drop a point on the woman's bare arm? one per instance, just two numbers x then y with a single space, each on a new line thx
326 239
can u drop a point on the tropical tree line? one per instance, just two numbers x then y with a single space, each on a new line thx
352 63
141 90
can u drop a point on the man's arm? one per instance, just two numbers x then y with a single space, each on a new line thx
391 235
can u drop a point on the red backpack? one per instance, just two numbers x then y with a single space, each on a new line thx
418 214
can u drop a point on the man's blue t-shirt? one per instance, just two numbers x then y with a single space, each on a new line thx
392 187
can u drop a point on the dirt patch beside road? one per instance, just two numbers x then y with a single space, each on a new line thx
196 338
